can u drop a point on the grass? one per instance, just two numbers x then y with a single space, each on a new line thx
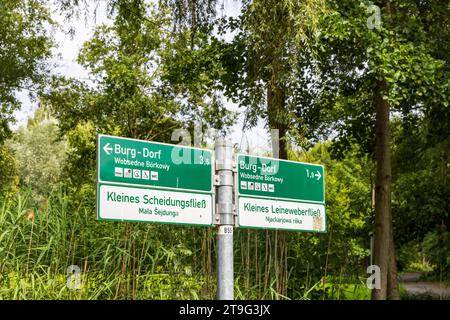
342 288
117 260
39 241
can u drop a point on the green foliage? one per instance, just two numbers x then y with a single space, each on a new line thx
193 75
342 288
193 14
123 98
349 213
9 179
412 259
117 260
423 165
145 261
39 153
79 170
271 70
132 94
436 246
316 61
341 252
25 48
353 58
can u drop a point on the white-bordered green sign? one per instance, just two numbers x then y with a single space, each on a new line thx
280 194
141 204
153 182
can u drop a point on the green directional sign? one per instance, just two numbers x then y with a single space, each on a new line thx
155 182
145 163
275 178
280 194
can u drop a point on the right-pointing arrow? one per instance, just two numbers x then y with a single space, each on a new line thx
107 149
318 175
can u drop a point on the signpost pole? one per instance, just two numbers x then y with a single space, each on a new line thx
224 167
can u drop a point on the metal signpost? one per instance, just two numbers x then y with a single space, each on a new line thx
225 216
156 182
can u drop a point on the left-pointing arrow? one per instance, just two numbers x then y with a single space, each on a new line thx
107 149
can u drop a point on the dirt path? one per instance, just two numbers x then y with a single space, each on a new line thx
418 289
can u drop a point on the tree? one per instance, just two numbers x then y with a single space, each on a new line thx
268 73
130 92
24 52
39 153
122 97
192 75
123 62
421 173
371 73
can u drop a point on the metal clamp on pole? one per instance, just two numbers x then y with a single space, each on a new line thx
224 194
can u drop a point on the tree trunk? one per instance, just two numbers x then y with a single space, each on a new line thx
382 191
392 288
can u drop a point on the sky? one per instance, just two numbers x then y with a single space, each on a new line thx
256 139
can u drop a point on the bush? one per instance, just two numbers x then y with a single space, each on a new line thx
9 178
436 246
411 258
39 154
